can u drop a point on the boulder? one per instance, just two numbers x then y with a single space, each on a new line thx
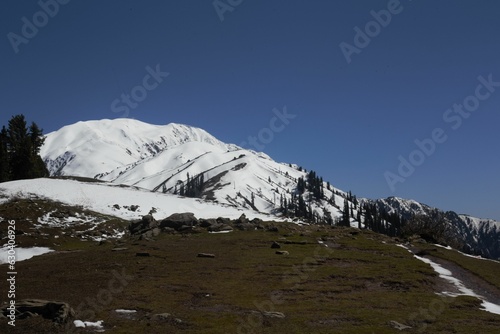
242 220
222 220
59 312
177 220
145 224
150 233
257 221
244 224
245 227
168 230
207 222
218 227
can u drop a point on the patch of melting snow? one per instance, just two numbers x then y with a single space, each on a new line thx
447 275
490 307
87 324
78 220
49 220
464 291
125 311
219 232
23 253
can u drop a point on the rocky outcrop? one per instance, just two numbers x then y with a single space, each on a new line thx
186 222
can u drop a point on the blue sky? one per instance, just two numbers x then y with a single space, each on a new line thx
230 67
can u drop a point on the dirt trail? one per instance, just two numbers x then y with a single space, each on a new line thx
470 280
478 285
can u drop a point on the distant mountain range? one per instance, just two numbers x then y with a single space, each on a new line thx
182 160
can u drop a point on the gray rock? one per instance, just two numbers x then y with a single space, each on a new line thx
245 226
225 228
145 224
167 230
207 222
257 221
275 245
177 220
222 220
242 220
59 312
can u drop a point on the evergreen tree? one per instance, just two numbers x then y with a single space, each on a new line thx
346 219
19 149
358 218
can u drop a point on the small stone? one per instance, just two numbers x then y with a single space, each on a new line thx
206 255
275 245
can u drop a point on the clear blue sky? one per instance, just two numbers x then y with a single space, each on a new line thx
353 120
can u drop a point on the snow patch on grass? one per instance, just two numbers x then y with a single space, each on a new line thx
23 253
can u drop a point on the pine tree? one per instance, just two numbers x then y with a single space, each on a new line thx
23 147
346 219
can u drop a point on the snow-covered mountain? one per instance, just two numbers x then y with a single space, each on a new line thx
176 159
165 158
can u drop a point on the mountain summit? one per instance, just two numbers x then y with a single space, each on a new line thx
95 147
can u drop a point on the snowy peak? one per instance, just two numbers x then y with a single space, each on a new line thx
98 147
